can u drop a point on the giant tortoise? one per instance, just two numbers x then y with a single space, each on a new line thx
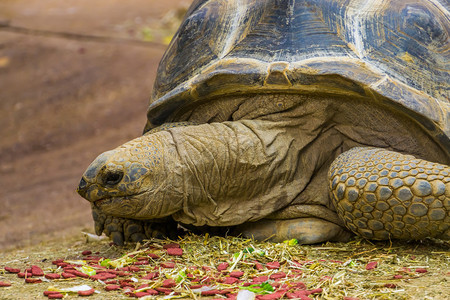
281 119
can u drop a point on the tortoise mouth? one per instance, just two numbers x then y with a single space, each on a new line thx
103 201
124 206
110 201
116 200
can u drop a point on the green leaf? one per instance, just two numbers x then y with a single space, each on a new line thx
105 262
181 275
236 255
249 250
291 242
87 270
266 286
263 288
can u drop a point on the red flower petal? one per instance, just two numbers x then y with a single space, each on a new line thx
273 296
86 293
260 279
67 275
4 283
168 265
273 265
52 276
315 291
223 266
278 275
171 245
112 287
372 265
150 276
169 283
175 251
421 270
236 274
230 280
258 266
33 280
11 270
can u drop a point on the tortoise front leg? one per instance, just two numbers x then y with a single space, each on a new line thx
122 230
382 194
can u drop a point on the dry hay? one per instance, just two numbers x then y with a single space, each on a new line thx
206 267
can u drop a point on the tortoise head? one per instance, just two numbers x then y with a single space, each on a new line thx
127 181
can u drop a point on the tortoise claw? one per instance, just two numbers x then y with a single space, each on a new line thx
132 227
98 228
122 230
138 237
117 238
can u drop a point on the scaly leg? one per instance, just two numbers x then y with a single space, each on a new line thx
382 194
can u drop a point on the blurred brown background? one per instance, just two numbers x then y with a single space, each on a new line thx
75 80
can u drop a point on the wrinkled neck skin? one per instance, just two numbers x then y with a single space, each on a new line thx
217 174
233 172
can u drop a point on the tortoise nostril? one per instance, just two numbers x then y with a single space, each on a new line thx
81 190
82 184
112 177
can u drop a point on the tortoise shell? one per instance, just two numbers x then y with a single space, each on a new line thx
391 52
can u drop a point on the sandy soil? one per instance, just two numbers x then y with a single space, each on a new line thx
75 79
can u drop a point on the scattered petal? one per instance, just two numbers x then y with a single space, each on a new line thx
171 245
175 251
421 270
55 296
11 270
169 283
112 287
52 276
236 274
273 265
371 265
33 280
223 266
277 275
4 284
86 293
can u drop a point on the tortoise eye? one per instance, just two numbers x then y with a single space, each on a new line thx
112 177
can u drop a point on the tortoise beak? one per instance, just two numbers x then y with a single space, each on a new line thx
88 186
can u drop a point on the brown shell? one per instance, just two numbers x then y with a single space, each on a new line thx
396 52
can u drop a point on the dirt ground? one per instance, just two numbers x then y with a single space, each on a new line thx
75 79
